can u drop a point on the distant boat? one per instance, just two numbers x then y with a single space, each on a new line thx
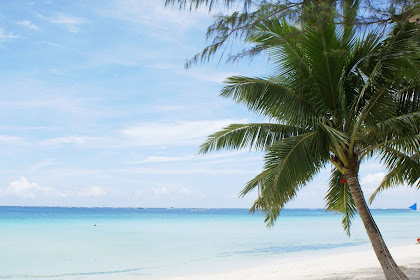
413 207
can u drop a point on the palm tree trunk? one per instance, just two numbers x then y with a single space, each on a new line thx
390 268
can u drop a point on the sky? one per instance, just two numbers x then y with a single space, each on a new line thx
98 110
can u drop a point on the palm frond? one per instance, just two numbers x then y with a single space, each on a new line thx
210 4
402 169
340 200
396 52
386 132
271 98
289 50
289 165
327 57
409 100
339 141
257 136
285 44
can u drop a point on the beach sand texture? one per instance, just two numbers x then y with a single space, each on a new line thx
327 266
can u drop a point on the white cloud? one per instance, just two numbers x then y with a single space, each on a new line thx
174 132
28 24
163 66
214 77
77 140
54 99
162 191
92 192
27 128
161 133
160 159
56 71
184 190
125 55
370 182
52 44
24 189
4 36
201 74
42 164
168 108
11 140
374 178
138 193
151 12
72 24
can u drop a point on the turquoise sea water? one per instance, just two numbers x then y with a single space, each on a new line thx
128 243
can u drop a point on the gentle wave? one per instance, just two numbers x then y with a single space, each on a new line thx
20 276
272 250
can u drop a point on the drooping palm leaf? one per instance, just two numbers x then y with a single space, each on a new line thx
402 169
289 165
339 200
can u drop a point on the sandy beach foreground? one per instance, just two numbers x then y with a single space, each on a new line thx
328 265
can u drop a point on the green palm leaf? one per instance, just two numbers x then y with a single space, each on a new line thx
289 165
339 200
271 98
257 136
402 169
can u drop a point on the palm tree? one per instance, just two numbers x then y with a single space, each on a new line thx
242 16
337 97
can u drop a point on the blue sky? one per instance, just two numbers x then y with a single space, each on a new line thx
97 110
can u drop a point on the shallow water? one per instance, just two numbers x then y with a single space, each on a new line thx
126 243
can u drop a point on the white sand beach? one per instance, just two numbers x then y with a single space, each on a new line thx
327 265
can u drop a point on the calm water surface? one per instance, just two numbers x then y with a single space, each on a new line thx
128 243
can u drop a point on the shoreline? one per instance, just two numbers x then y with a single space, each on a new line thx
348 264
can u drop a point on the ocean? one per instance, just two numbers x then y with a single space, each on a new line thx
136 243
